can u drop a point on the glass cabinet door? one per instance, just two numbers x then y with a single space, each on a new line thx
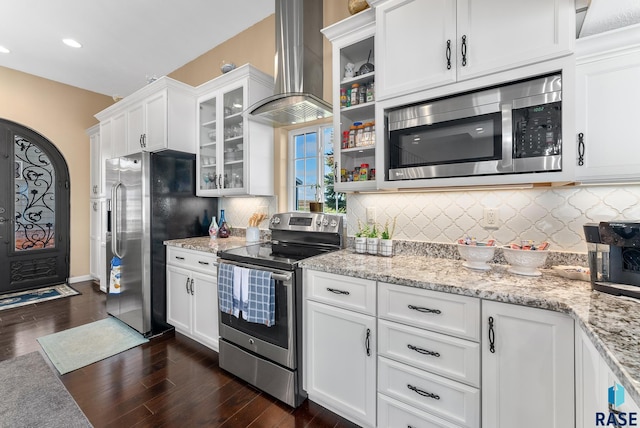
209 178
233 148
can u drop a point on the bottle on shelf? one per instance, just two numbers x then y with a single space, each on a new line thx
205 222
213 228
343 97
223 230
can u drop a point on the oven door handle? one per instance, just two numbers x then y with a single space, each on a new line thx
284 277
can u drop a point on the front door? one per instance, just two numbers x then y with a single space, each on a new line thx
34 210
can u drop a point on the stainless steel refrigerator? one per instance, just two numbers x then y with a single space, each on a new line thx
152 199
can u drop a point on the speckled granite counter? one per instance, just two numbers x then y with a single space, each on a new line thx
612 323
205 244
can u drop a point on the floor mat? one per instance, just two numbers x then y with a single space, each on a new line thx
80 346
22 298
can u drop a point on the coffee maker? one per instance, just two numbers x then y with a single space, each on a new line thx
614 257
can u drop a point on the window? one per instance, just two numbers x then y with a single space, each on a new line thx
311 170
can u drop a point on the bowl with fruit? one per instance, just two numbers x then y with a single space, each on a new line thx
526 258
476 254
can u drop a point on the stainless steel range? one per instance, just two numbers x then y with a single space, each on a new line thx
270 357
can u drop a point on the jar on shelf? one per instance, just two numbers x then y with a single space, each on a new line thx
345 139
364 172
373 133
359 133
348 98
362 94
352 136
366 137
356 174
354 94
370 92
372 174
343 97
343 174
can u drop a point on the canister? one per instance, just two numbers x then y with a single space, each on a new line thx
364 172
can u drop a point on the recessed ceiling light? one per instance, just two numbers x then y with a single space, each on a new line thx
72 43
4 50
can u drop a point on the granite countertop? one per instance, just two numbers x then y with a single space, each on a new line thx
612 323
205 244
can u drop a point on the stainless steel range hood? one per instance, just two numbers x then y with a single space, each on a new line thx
298 68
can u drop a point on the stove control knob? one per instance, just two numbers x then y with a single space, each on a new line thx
325 222
275 220
317 222
333 223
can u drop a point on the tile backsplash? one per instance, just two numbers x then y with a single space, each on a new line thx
237 210
540 214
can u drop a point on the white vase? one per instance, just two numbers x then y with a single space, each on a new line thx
372 245
361 244
386 247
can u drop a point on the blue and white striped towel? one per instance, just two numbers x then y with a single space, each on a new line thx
225 287
262 298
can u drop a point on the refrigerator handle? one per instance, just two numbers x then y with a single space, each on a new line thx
115 226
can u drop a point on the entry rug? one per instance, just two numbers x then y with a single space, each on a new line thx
33 396
23 298
80 346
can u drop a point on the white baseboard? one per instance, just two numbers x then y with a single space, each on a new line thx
75 279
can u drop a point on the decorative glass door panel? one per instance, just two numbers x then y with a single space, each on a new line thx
34 206
233 155
208 144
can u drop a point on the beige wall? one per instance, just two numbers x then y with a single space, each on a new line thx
61 113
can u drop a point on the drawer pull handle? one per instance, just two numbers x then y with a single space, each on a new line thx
425 310
423 351
333 290
492 337
179 258
423 393
367 343
186 284
203 263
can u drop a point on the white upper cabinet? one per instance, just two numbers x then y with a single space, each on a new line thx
234 153
422 44
157 117
607 110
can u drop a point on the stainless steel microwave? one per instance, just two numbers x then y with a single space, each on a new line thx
510 129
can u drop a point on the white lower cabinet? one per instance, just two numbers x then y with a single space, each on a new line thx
192 295
425 377
527 367
593 380
340 345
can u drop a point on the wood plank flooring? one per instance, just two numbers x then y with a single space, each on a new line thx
172 381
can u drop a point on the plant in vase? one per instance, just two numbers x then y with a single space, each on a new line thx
386 243
361 237
373 239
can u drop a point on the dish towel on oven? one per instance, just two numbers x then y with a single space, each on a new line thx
262 298
225 288
240 290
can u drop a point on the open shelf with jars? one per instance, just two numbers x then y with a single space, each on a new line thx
353 86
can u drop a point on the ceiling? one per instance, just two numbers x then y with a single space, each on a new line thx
124 42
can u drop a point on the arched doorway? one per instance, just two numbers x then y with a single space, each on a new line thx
34 210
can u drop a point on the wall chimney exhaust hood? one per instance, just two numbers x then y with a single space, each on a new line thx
298 67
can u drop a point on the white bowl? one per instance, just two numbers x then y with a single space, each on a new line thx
525 262
476 257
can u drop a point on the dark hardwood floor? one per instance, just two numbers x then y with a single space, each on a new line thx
172 381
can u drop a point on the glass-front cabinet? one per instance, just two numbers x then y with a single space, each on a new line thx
353 86
235 153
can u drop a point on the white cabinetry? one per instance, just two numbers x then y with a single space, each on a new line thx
234 153
340 345
159 116
527 367
607 111
426 44
353 42
97 212
593 380
425 377
192 294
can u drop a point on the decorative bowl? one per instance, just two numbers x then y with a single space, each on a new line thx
476 256
227 67
525 262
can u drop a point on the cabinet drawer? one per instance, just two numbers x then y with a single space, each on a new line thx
451 357
394 413
433 310
450 400
343 291
191 259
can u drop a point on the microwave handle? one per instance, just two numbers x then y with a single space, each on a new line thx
506 163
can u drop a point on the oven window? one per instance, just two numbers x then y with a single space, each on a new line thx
471 139
276 334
